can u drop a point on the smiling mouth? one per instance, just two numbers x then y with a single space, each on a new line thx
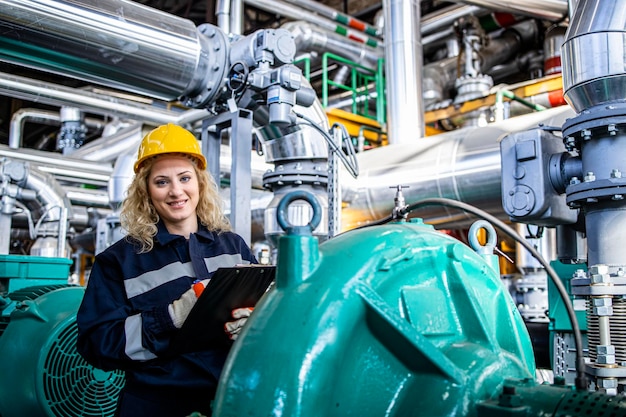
177 203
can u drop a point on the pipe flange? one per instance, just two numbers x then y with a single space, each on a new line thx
470 87
599 290
595 122
209 77
594 191
605 371
308 176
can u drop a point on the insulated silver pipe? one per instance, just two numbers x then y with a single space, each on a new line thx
86 197
222 14
553 10
229 14
49 194
108 148
445 17
58 95
297 13
403 65
236 17
593 73
335 16
312 38
463 165
72 170
117 43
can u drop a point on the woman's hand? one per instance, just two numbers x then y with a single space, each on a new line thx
232 328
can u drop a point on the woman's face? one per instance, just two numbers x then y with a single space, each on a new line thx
174 191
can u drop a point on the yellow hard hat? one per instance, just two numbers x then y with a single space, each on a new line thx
169 138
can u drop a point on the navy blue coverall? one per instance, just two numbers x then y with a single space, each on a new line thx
123 321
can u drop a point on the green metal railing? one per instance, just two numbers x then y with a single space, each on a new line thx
366 86
304 63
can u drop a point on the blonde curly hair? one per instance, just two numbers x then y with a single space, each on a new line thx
139 216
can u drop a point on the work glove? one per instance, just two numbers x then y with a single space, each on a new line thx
232 328
179 309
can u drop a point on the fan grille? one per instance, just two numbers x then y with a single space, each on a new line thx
72 387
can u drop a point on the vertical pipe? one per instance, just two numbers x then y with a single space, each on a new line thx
403 66
236 17
222 13
62 232
7 204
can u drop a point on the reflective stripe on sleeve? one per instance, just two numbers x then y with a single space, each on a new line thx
134 348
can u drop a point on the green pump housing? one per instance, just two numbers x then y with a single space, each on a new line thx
392 320
41 372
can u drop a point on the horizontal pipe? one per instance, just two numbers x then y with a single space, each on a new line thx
58 95
298 13
553 10
463 165
40 116
74 170
118 43
312 38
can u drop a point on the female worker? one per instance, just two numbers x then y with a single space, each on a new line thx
141 288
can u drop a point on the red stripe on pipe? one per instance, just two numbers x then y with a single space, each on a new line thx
357 25
356 38
552 65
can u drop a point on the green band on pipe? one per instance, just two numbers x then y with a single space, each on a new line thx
341 30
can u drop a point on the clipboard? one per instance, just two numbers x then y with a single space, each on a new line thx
228 289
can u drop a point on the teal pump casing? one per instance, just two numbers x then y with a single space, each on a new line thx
393 320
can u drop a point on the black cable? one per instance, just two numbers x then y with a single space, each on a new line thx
352 164
581 378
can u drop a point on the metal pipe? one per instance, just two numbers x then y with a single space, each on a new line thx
23 115
553 10
236 17
403 65
108 148
336 16
7 204
50 194
597 30
463 165
439 77
87 197
222 14
118 43
34 115
58 95
311 38
446 16
297 13
61 239
73 170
